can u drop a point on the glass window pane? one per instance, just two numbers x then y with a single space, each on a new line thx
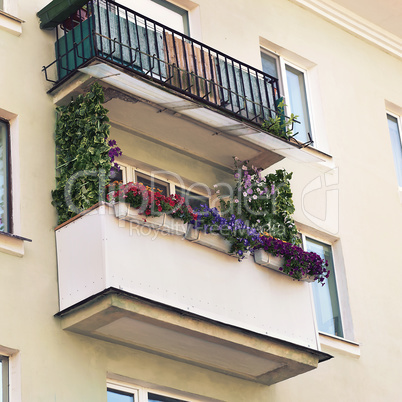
326 297
193 199
153 184
396 146
3 379
269 65
161 398
161 11
4 207
118 396
298 102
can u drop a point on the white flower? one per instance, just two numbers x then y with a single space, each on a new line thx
245 194
254 197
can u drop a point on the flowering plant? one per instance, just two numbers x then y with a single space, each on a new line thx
297 262
241 237
149 201
263 202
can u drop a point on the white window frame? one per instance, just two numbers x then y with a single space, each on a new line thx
304 242
14 373
129 173
281 63
341 286
399 122
4 396
140 393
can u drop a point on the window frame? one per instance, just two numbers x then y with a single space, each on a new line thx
281 63
8 180
304 237
398 119
341 283
5 378
141 392
130 172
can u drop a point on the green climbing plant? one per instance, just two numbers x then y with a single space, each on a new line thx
83 161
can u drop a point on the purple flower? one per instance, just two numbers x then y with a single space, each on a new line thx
272 189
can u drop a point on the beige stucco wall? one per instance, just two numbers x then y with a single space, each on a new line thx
351 80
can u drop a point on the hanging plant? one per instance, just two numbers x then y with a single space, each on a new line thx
83 154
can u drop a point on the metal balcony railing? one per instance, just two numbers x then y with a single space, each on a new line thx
110 31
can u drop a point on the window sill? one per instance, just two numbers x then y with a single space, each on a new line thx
12 244
332 342
10 23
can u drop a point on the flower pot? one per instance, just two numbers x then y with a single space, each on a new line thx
127 213
211 240
261 257
164 223
173 226
265 259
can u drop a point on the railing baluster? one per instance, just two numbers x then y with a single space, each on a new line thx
205 78
195 69
244 92
130 49
138 40
251 92
186 62
261 102
229 87
157 51
177 60
211 65
148 48
109 35
120 36
236 89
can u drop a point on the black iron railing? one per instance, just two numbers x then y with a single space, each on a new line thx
110 31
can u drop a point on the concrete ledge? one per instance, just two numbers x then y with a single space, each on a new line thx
12 244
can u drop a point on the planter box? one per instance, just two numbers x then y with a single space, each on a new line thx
164 223
268 260
211 240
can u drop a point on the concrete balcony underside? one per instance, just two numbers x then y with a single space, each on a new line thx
148 109
138 287
124 319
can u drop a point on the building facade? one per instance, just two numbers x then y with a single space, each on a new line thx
106 308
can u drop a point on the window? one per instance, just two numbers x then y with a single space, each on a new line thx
326 300
153 183
395 133
162 11
119 392
5 204
292 83
193 199
4 379
195 194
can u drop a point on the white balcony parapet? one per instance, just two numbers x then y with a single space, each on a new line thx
133 285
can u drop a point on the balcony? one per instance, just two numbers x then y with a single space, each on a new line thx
142 288
157 75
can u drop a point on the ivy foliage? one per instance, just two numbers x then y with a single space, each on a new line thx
83 162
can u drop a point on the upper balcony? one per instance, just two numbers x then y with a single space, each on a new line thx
157 75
